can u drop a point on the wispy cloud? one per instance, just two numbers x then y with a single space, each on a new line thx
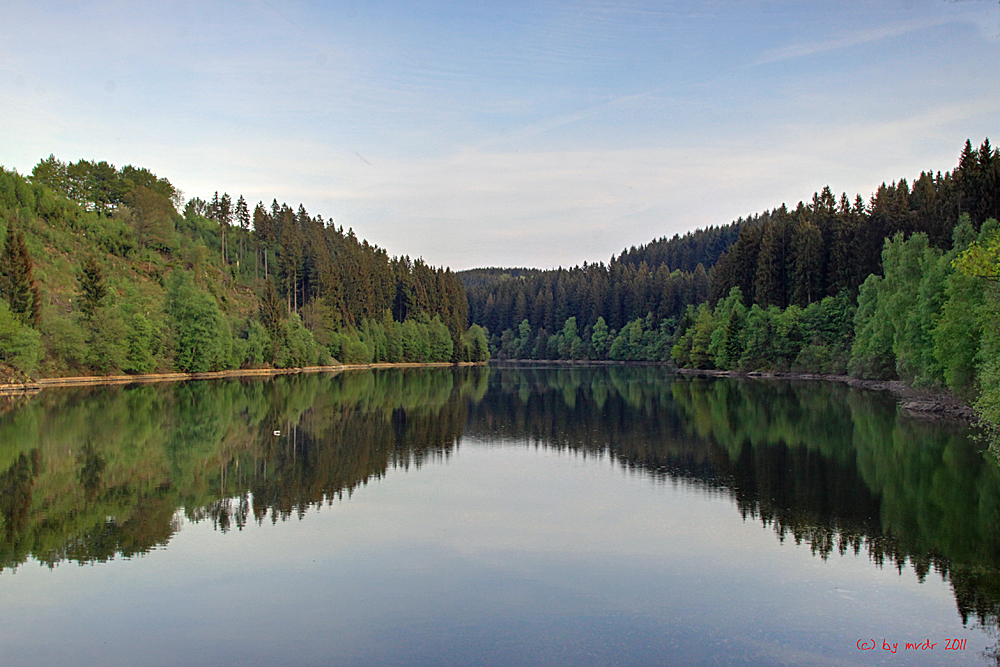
879 34
559 120
492 133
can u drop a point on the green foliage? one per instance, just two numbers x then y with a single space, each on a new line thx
523 338
789 334
347 347
202 336
65 341
982 258
373 335
152 217
258 344
108 341
272 311
475 342
140 340
914 284
901 312
123 226
440 345
298 348
92 288
20 345
758 335
958 333
681 350
600 339
627 345
989 359
393 340
17 285
566 344
726 345
828 332
99 186
872 355
416 341
981 263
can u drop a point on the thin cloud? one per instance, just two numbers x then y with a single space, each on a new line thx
863 37
553 122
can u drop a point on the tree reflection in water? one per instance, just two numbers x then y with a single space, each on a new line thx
90 474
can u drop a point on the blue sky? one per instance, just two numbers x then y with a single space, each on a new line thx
504 134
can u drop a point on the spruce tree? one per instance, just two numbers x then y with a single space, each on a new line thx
225 219
272 313
243 216
92 288
17 285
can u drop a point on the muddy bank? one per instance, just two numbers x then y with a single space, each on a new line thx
35 386
924 403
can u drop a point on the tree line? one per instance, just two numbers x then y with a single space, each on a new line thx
100 272
830 245
779 257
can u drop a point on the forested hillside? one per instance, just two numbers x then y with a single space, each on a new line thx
685 253
905 286
101 273
665 270
824 247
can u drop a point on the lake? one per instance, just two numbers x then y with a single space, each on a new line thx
529 515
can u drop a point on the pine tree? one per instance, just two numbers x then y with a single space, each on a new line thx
92 288
51 172
243 217
768 287
807 264
263 233
17 285
272 314
225 219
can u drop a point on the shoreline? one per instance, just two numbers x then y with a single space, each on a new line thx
30 388
920 403
917 403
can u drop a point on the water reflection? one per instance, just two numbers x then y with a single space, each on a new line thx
834 467
88 475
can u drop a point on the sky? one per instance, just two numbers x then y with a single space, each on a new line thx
536 134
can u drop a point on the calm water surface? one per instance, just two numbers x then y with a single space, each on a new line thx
540 516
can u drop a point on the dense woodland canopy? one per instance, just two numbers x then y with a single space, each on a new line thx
101 273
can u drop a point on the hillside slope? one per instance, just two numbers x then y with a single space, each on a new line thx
100 273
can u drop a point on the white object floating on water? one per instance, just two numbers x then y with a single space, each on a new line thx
277 432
